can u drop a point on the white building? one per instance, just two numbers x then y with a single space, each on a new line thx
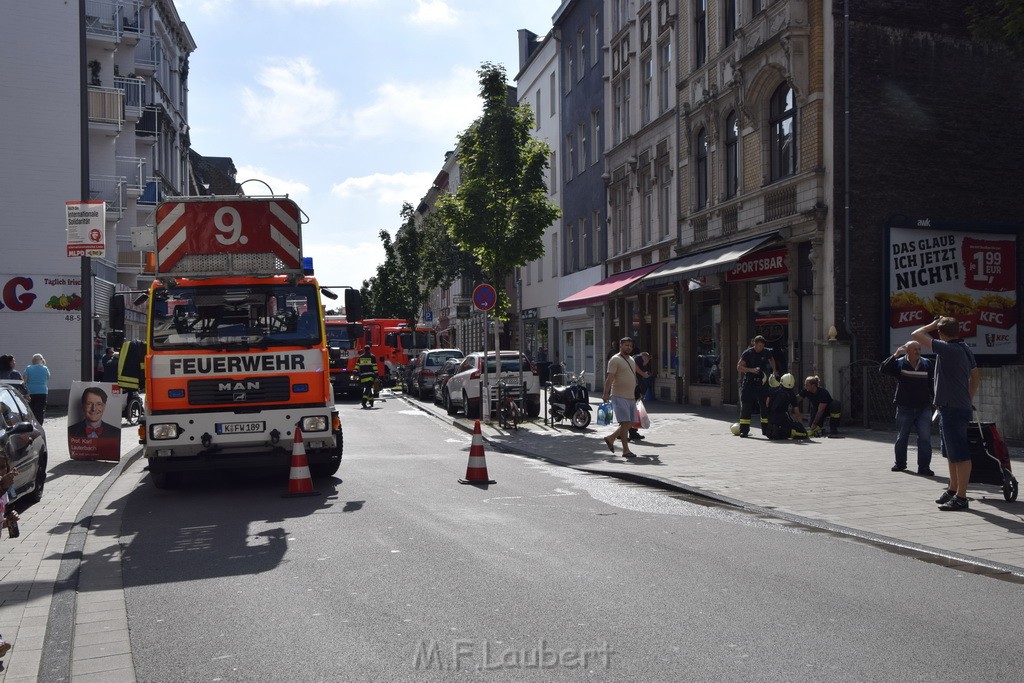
97 111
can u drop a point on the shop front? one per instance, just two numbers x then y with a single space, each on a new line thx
727 296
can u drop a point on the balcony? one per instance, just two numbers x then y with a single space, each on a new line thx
108 22
112 190
128 258
133 170
106 109
134 90
148 55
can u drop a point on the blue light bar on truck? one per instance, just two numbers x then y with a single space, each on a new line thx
307 265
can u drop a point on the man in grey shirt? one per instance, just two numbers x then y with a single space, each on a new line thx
956 382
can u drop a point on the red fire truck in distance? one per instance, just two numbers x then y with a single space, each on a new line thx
391 341
236 353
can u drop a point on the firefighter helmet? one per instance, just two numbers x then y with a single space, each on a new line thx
735 427
772 382
788 381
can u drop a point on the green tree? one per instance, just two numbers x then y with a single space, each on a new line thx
398 290
999 21
444 261
500 210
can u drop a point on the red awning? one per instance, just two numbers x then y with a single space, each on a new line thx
595 294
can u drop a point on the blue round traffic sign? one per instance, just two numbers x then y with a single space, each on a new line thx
484 297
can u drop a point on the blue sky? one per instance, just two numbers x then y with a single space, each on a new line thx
346 105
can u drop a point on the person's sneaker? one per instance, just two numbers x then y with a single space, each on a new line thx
898 468
955 503
925 472
946 496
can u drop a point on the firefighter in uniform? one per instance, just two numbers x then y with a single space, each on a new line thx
754 366
366 364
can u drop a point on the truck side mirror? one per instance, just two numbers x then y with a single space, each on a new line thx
116 315
353 305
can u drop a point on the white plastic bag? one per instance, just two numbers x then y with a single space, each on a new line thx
641 414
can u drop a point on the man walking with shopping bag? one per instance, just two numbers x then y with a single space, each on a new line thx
620 387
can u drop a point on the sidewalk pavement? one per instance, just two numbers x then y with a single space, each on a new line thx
61 591
61 598
841 484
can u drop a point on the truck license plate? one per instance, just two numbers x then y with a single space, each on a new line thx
240 427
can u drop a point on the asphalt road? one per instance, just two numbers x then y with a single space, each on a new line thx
399 573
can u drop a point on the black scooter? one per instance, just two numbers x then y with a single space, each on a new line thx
570 402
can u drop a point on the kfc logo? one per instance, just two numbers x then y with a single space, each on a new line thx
996 340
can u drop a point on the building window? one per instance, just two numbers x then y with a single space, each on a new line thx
646 90
707 327
664 200
554 254
597 228
570 158
618 105
627 227
595 34
731 19
732 155
540 269
572 236
664 76
755 6
646 188
553 95
625 106
618 217
570 67
669 346
700 171
584 245
581 131
553 169
536 109
595 137
581 42
700 33
782 124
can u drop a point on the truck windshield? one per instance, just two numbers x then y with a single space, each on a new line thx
338 337
235 316
421 339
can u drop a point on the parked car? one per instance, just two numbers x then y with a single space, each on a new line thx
405 374
462 392
424 372
23 441
450 367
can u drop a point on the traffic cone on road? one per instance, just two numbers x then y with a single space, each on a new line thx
476 470
300 483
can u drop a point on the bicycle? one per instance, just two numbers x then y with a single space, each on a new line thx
509 412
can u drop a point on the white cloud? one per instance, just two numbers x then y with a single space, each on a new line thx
291 103
434 13
292 188
438 109
386 189
340 264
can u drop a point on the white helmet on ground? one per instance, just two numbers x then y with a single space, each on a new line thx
735 427
788 381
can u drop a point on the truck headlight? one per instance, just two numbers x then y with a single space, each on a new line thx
159 432
314 424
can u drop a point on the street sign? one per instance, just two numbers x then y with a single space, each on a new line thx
484 297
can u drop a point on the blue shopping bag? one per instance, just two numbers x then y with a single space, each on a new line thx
605 414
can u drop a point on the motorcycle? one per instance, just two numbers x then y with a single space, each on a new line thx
570 401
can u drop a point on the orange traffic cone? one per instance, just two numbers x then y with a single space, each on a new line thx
300 483
476 470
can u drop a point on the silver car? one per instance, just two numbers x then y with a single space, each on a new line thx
23 441
428 363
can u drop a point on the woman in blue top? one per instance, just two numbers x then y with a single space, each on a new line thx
37 378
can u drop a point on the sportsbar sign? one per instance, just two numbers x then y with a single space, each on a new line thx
969 275
770 263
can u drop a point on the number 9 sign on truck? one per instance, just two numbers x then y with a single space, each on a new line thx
236 354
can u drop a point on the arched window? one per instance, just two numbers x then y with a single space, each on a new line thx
701 170
732 155
782 123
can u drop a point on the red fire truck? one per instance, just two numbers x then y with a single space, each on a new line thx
236 354
395 343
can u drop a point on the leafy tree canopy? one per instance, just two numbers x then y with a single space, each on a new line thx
500 210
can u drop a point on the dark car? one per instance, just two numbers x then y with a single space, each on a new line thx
23 442
424 374
450 367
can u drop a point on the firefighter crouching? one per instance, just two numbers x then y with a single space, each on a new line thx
366 364
781 405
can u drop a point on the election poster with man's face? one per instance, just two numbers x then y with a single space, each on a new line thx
969 275
94 421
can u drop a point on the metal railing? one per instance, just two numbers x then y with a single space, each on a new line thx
109 19
148 53
133 170
106 105
870 394
127 256
134 91
112 190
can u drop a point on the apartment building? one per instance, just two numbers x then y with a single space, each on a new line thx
96 111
